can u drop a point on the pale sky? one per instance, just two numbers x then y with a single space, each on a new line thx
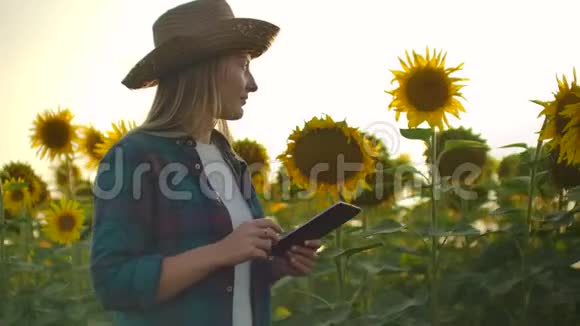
331 56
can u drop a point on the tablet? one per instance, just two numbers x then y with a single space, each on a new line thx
317 227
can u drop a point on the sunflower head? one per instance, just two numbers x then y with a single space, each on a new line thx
89 139
119 130
562 128
509 167
61 174
16 196
564 176
37 188
426 91
517 165
452 160
64 221
381 181
328 156
53 134
256 157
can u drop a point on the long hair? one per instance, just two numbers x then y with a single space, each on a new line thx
188 101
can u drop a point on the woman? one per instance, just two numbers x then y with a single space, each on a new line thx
179 234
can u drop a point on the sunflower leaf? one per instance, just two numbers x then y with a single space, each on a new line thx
386 227
574 194
16 186
459 231
417 133
452 144
505 211
351 251
520 145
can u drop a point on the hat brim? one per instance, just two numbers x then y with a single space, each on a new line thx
237 34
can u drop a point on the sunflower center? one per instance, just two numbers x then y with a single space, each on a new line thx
66 223
55 134
562 121
316 155
17 195
427 90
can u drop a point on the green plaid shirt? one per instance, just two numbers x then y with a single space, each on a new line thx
151 202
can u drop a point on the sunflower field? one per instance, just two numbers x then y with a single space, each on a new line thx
470 240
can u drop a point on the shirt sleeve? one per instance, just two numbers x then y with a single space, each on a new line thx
124 275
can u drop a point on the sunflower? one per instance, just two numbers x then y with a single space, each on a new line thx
36 187
562 128
64 221
318 155
43 192
61 174
120 129
90 138
53 133
16 196
426 90
381 181
451 161
256 157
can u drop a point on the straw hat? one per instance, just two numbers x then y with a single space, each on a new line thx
194 31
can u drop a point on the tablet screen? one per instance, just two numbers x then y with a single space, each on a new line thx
317 227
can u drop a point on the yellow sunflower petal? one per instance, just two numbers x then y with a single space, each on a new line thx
64 222
425 87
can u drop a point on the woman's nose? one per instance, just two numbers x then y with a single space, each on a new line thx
251 86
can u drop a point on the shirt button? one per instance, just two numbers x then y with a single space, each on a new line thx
197 166
230 288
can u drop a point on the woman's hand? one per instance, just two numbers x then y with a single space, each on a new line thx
252 239
299 260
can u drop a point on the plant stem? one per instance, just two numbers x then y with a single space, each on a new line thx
531 188
3 265
75 248
339 261
434 238
561 200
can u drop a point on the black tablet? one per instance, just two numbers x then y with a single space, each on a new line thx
317 227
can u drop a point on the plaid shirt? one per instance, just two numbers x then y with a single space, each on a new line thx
151 202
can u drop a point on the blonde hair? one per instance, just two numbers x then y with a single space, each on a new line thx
188 101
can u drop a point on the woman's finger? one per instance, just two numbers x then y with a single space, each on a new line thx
267 223
264 244
302 261
307 252
267 233
313 243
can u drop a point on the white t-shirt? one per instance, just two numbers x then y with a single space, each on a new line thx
222 180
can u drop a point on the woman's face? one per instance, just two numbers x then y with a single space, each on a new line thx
235 83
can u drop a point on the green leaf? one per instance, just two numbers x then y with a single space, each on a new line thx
401 307
53 289
574 194
525 180
379 269
16 186
77 311
337 316
467 230
519 145
417 133
505 211
351 251
386 227
453 144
